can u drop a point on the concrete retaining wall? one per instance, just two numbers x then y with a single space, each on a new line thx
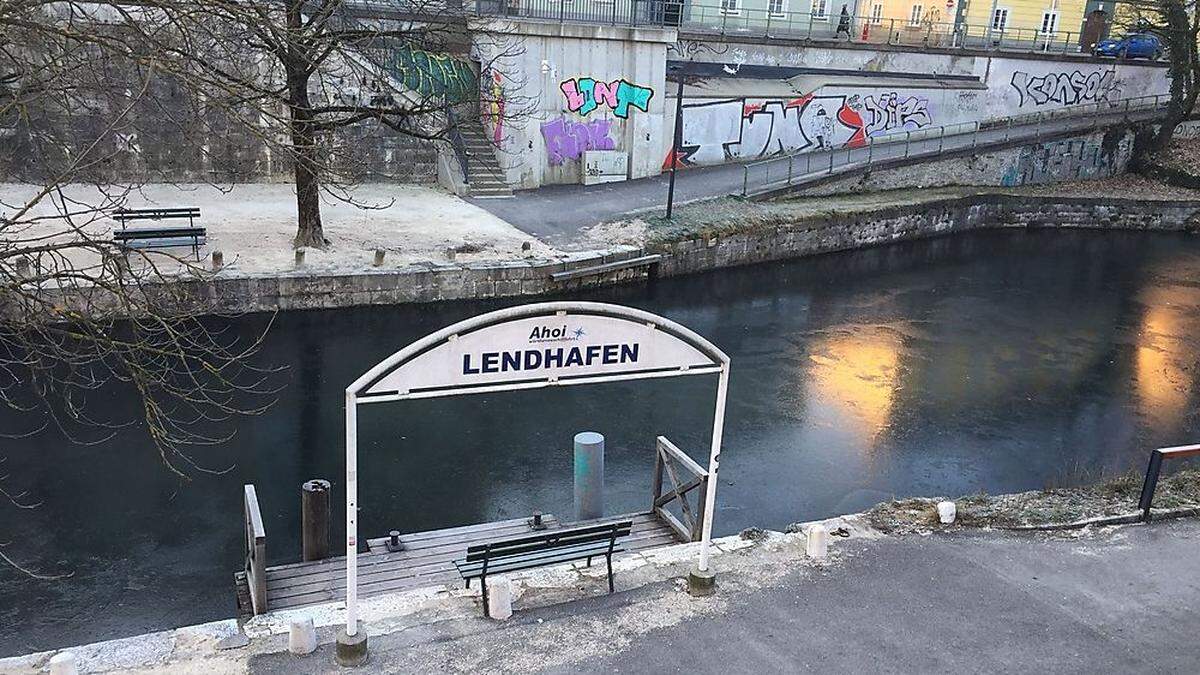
808 236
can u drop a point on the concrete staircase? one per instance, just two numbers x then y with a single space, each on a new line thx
485 178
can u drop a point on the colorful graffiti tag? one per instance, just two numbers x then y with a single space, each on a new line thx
1065 88
493 105
433 75
721 131
569 140
585 95
1064 160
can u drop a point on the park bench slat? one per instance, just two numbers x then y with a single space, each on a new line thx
548 548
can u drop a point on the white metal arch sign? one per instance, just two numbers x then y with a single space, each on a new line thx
526 347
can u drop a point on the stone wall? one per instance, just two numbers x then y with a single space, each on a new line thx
804 237
1087 156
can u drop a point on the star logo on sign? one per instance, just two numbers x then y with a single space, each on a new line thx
578 333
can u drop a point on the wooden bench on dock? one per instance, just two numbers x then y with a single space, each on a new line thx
161 236
543 550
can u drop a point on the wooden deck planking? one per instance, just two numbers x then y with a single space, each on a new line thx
428 559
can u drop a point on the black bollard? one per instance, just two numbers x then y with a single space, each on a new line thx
314 515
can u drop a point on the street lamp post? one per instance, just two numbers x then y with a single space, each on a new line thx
676 141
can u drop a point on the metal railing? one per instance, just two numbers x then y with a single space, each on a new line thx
614 12
777 173
1153 469
757 22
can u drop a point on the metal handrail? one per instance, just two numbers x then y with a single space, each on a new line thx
927 31
816 165
1153 469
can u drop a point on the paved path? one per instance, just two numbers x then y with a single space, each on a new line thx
557 213
1120 600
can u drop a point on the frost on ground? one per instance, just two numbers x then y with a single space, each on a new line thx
1119 496
253 225
619 233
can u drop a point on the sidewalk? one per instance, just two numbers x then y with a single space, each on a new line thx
1108 600
559 214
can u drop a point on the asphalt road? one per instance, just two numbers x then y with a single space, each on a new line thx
1114 601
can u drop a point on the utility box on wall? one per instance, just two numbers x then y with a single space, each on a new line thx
604 166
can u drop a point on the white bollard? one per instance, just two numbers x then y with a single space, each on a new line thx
500 597
817 544
947 512
63 663
302 637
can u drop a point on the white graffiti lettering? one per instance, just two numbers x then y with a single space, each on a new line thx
891 113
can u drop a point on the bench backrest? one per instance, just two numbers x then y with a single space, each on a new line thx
549 540
159 232
156 214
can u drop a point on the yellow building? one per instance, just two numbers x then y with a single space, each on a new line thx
1053 24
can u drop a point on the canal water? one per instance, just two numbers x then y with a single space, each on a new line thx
996 361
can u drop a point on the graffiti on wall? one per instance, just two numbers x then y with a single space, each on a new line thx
585 95
889 112
1065 88
493 104
721 131
1187 130
566 139
1065 160
433 75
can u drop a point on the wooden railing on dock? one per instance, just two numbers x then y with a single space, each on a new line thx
256 551
666 456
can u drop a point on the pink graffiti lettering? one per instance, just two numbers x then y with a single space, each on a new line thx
569 140
575 100
587 94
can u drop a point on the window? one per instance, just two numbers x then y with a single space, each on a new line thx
1049 23
1000 19
820 9
730 7
877 14
914 17
776 7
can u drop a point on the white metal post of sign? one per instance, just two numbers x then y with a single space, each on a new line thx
529 347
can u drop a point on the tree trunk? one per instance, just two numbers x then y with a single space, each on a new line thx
308 188
305 154
1181 46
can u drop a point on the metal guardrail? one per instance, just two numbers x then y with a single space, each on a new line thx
613 12
1153 469
925 32
776 173
762 22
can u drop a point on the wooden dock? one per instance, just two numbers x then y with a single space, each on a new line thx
427 560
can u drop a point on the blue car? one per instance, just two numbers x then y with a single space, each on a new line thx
1133 46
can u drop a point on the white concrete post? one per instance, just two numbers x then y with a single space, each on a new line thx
947 512
500 598
302 637
63 663
817 543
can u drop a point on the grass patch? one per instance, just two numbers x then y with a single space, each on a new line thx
1117 496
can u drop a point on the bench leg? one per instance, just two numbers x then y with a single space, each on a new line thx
610 573
589 561
483 582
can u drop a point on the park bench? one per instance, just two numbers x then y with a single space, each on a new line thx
550 548
162 236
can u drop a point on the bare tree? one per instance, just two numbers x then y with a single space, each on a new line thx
1177 23
298 71
79 316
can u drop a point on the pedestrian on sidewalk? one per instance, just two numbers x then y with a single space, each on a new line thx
843 24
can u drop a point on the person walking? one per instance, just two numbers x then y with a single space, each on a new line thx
843 24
